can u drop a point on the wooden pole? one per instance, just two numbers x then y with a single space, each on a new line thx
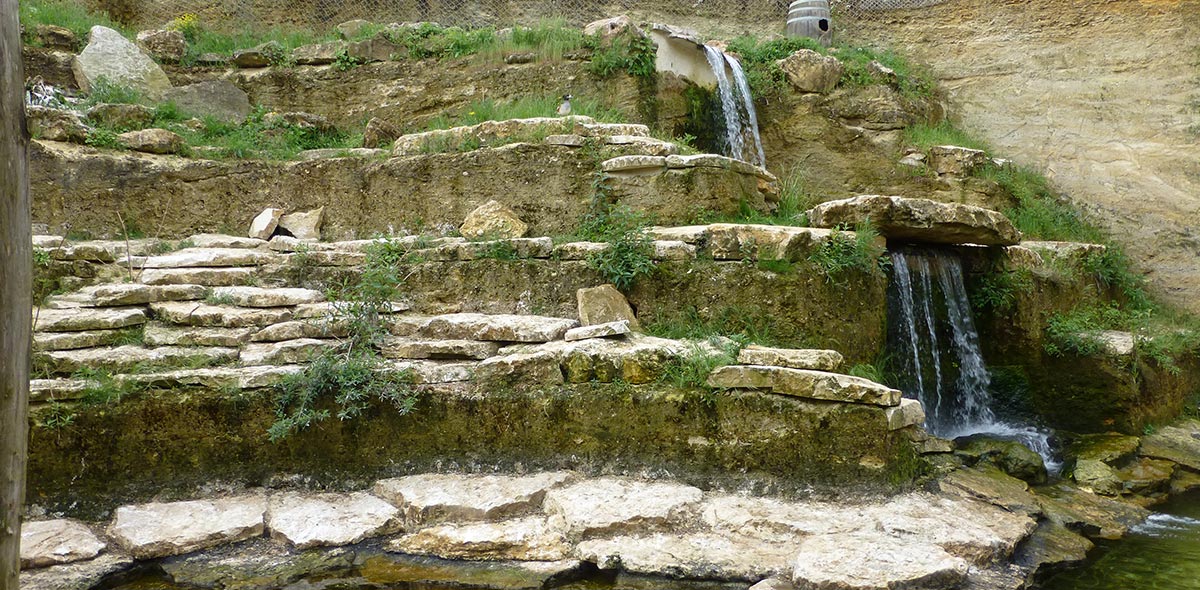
16 293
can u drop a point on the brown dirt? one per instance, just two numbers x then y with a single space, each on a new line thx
1101 96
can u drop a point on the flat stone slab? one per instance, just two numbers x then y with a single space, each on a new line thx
541 368
404 348
524 539
608 506
44 341
209 257
217 377
635 164
437 372
705 556
284 353
129 357
606 330
910 412
297 329
443 497
209 277
80 575
499 328
224 241
718 161
980 533
874 561
41 390
53 542
330 519
920 220
79 320
1179 442
1089 514
260 297
158 335
148 531
773 518
747 241
806 384
205 315
993 486
121 294
816 360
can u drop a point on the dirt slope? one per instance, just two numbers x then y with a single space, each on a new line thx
1103 96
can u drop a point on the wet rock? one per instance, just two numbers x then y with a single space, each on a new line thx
805 384
1053 547
109 55
329 519
1146 476
1179 442
494 221
163 44
1088 514
380 134
604 304
920 220
148 531
607 506
618 328
993 486
152 141
55 124
809 71
1110 448
447 497
53 542
526 539
499 327
78 320
402 348
209 257
705 556
156 335
868 561
204 315
427 572
121 116
255 565
82 575
816 360
1010 456
772 518
219 99
260 297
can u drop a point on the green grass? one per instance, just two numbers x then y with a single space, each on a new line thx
925 136
260 139
843 254
1041 213
70 14
745 326
202 39
525 107
794 203
691 370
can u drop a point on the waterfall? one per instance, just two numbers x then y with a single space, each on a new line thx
937 347
739 116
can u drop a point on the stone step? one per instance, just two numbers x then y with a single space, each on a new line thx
161 335
743 241
222 316
149 531
605 330
257 377
611 506
80 320
129 358
816 360
297 329
260 297
498 328
121 294
526 539
284 353
209 277
53 542
510 248
403 348
209 241
318 520
806 384
48 341
429 372
432 498
635 359
210 257
48 390
338 309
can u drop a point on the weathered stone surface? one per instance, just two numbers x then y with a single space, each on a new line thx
952 159
495 221
1088 514
499 327
78 320
608 28
647 145
121 116
816 360
55 124
577 250
56 37
129 357
46 341
489 132
260 297
910 412
809 71
525 539
607 506
721 162
1096 476
202 314
1146 476
743 241
1179 442
219 99
326 153
380 134
706 556
352 28
617 328
1184 481
297 329
223 241
300 120
217 377
156 335
152 141
1110 447
427 572
435 497
980 533
673 250
804 383
303 226
318 54
51 542
118 294
602 305
155 530
771 518
81 575
256 564
209 277
991 485
777 583
260 56
265 223
920 220
437 372
329 519
526 369
635 164
377 48
1010 456
402 348
111 56
874 562
209 257
41 390
1052 547
163 44
284 353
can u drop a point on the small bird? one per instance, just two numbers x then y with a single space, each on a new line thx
564 109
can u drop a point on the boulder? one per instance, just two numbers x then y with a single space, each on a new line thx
380 133
265 223
303 226
910 412
1179 442
816 360
76 320
121 116
377 48
1146 476
261 56
111 56
498 327
874 561
603 305
55 124
809 71
1096 476
609 28
165 45
956 160
618 328
1110 447
1052 547
494 221
329 519
430 498
53 542
1088 514
608 506
1010 456
525 539
352 28
704 556
219 99
407 571
148 531
318 54
56 37
202 314
81 575
152 141
806 384
919 220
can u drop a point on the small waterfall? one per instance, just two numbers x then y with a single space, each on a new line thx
938 348
740 117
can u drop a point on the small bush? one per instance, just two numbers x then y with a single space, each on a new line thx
344 61
842 254
692 369
104 138
629 255
998 291
630 54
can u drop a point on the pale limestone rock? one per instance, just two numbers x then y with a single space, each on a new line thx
209 257
79 320
208 277
118 294
741 241
874 561
329 519
635 164
41 390
1179 442
296 330
707 556
771 518
977 532
148 531
47 341
437 372
610 27
816 360
157 335
111 56
647 145
991 485
499 327
259 56
380 133
260 297
809 71
607 506
152 141
617 328
284 353
488 132
952 159
51 542
301 120
331 258
217 377
303 226
806 384
219 99
403 348
534 368
55 124
516 247
56 37
377 48
352 28
435 497
81 575
602 305
919 220
265 223
493 220
717 161
163 44
1113 342
318 54
525 539
577 250
129 357
910 412
688 234
569 140
673 250
204 315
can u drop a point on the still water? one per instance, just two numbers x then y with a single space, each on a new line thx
1163 553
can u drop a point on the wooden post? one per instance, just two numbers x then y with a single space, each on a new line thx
16 293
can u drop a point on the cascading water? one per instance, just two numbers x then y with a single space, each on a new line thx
739 116
935 339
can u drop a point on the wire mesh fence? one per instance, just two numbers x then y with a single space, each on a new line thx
754 14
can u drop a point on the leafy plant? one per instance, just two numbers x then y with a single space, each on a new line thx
629 255
634 55
691 370
344 61
998 290
841 253
104 138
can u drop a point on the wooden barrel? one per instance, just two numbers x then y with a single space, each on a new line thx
810 18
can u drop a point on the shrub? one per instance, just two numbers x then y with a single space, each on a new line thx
842 254
692 369
633 55
629 255
998 290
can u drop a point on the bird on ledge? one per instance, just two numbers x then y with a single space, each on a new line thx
564 109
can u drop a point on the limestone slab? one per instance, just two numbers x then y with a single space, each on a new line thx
318 520
260 297
1089 514
305 225
80 575
79 320
41 390
524 539
910 412
451 497
533 368
774 518
129 357
155 530
978 532
806 384
46 341
867 561
217 377
635 164
209 277
746 241
604 304
298 329
495 221
204 315
159 335
284 353
607 506
264 224
673 250
209 257
121 294
688 234
577 250
499 328
706 556
224 241
919 220
219 99
816 360
404 348
606 330
52 542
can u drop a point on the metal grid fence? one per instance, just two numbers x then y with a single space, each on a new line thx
754 14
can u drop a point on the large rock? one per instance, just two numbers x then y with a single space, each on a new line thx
284 353
809 71
1096 476
261 297
991 485
525 539
403 348
380 133
494 221
816 360
1010 456
772 518
44 341
952 159
1179 443
148 531
111 56
604 304
447 497
704 556
1088 514
152 141
607 506
81 575
55 124
499 327
208 277
303 226
806 384
920 220
163 44
218 316
980 533
264 223
874 561
219 99
78 320
330 519
617 328
318 54
1052 547
51 542
259 56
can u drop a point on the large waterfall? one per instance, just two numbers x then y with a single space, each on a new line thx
737 108
933 338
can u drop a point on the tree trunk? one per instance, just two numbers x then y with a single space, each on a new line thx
16 262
